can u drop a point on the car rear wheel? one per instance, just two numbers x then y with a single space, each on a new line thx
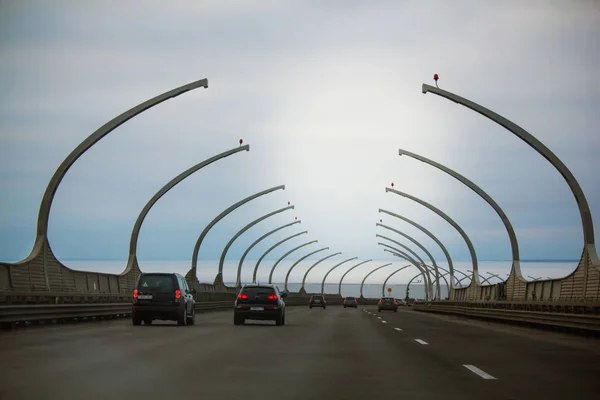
279 321
309 306
396 310
238 320
192 320
136 320
182 320
148 321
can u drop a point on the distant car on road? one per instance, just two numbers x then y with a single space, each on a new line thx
400 302
259 302
163 296
387 303
317 301
350 302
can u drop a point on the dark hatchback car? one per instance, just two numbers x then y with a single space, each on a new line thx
259 302
163 296
317 301
350 302
387 303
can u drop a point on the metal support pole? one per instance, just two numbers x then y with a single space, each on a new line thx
191 275
219 277
332 268
239 270
421 262
287 276
369 274
346 273
314 265
420 268
394 273
284 256
451 222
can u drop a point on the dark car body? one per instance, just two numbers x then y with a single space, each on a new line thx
387 303
350 302
259 302
163 296
317 301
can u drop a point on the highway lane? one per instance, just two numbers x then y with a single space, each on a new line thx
334 353
531 363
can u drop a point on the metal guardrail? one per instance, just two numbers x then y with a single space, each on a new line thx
577 322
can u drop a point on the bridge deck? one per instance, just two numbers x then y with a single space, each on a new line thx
333 353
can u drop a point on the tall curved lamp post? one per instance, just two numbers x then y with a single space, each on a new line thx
346 273
420 268
285 255
275 246
132 262
287 276
423 248
219 277
514 245
191 276
394 273
362 283
332 268
314 265
428 233
412 260
441 275
584 209
409 282
41 247
451 222
239 270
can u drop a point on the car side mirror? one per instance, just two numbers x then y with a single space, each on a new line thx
283 294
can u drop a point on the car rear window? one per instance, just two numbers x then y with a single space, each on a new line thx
158 283
317 297
387 300
258 290
349 298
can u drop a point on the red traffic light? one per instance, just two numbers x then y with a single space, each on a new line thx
435 77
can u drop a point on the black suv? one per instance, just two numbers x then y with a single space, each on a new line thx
317 301
259 302
163 296
350 302
387 303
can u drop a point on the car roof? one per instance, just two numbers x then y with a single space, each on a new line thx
258 285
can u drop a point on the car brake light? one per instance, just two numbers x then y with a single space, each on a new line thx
272 297
178 294
380 302
135 293
242 296
395 303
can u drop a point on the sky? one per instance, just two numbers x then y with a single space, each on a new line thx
325 93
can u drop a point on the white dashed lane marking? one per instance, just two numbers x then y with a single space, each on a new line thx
421 341
398 329
477 371
384 322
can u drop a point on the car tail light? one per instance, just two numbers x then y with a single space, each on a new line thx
242 296
135 293
395 303
178 294
272 297
380 302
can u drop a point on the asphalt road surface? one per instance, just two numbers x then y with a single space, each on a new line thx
335 353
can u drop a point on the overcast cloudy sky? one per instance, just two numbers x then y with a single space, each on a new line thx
325 93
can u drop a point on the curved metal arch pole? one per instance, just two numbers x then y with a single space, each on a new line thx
514 245
394 273
428 233
421 262
424 270
287 276
284 256
448 273
346 273
369 274
61 171
409 282
191 275
584 209
133 241
314 265
219 277
435 266
443 276
484 279
332 268
451 222
239 270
